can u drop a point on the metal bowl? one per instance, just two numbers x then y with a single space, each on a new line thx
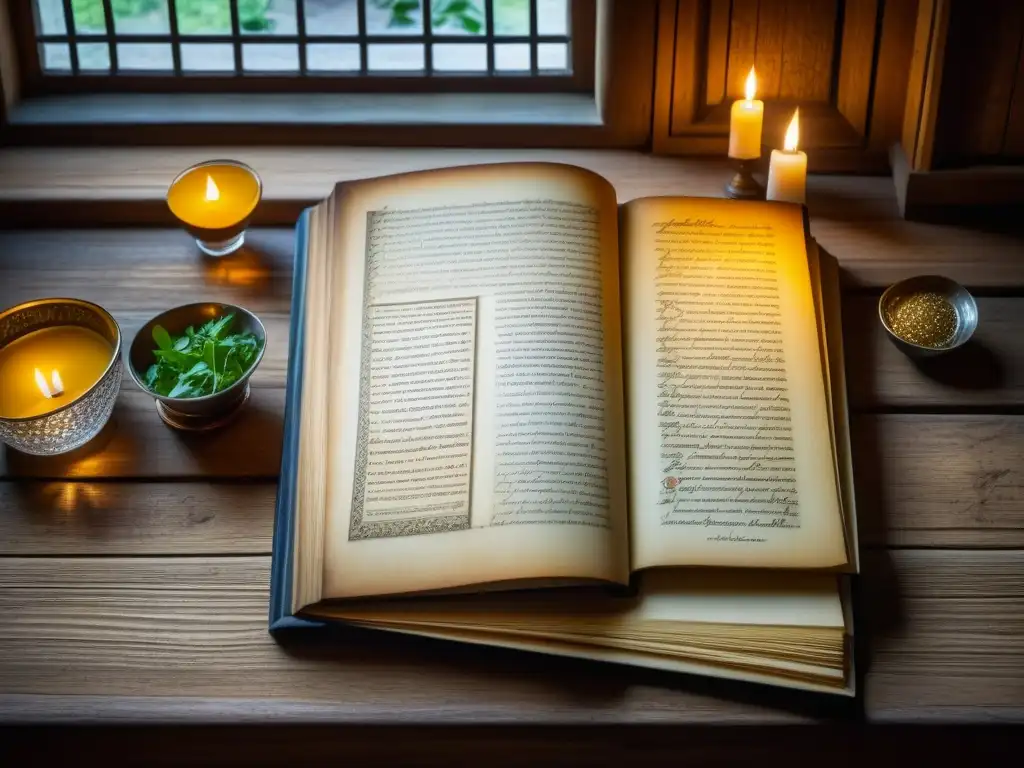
961 300
77 422
208 411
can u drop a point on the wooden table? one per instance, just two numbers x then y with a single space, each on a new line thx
134 574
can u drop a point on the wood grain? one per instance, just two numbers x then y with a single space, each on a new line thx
940 481
135 443
856 62
987 372
742 45
772 27
976 500
895 50
145 271
806 71
196 627
944 630
105 518
983 49
718 51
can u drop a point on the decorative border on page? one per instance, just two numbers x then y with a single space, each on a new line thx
359 528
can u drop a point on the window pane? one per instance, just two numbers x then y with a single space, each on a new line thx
93 57
407 58
267 17
460 57
511 57
276 57
332 17
204 17
552 56
154 57
269 36
552 17
207 57
135 17
50 18
325 57
398 19
89 17
455 18
512 17
55 57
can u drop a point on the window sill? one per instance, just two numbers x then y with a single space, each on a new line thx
453 119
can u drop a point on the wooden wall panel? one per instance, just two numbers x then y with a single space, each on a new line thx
983 57
821 55
1014 143
742 41
807 49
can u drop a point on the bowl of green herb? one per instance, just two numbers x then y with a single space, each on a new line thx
196 361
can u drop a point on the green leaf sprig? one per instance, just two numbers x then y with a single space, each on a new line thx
201 362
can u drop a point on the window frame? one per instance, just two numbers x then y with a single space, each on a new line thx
617 113
36 82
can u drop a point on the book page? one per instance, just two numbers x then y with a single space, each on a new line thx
731 451
476 423
416 419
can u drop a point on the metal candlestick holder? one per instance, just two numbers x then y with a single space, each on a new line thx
743 185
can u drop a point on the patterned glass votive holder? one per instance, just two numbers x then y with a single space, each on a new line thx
214 201
68 425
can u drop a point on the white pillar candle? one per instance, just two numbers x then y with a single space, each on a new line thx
787 173
745 123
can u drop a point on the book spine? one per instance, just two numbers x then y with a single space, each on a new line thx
281 567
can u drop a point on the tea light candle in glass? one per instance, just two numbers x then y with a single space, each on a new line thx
214 202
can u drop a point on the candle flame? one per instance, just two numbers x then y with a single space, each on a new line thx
792 133
750 88
212 193
45 388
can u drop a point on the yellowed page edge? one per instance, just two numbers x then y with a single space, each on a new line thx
593 653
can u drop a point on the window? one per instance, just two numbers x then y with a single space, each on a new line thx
355 44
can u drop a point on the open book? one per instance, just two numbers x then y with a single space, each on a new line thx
500 380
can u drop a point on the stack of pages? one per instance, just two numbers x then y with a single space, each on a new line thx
522 415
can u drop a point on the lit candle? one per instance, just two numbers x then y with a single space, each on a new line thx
787 174
46 369
214 201
745 123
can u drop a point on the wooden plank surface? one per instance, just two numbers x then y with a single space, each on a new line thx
945 631
940 480
987 372
976 500
197 627
134 573
135 443
136 518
